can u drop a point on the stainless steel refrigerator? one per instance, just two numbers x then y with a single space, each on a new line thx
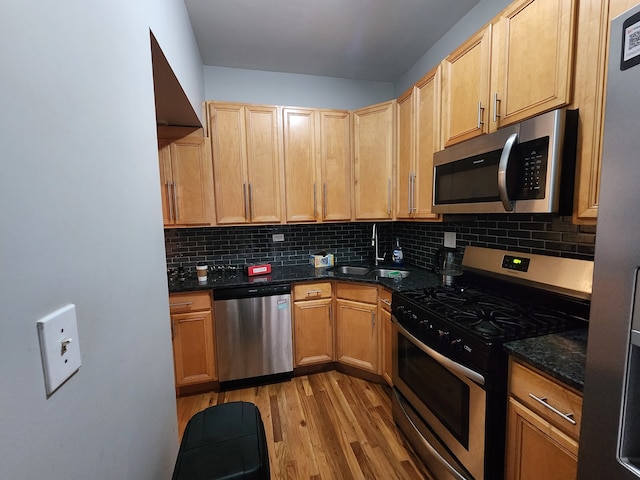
610 432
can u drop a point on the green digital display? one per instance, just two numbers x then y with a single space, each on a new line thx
519 264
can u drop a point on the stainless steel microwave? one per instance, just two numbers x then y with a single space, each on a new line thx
528 167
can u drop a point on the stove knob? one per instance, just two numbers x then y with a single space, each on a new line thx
444 336
456 345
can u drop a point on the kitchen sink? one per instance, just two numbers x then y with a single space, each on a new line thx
389 273
370 271
350 270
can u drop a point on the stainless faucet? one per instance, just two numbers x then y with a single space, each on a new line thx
374 244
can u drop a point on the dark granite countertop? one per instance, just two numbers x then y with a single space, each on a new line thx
418 278
561 355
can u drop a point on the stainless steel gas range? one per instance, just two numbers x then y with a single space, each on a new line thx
450 370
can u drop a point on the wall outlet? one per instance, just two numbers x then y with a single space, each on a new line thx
278 237
450 239
59 346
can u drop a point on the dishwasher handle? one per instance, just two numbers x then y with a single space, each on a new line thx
235 293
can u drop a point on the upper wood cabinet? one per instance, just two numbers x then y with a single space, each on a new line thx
186 180
418 124
317 165
245 142
517 67
465 89
532 59
373 141
594 17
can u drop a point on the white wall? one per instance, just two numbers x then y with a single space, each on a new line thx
477 17
272 88
81 223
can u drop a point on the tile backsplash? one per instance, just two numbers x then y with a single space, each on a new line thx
351 242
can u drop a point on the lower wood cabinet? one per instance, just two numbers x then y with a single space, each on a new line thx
384 308
357 326
543 427
193 338
312 324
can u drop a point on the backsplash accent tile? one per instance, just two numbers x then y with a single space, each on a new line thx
351 242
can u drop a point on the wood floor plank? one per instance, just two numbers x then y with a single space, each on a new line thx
325 426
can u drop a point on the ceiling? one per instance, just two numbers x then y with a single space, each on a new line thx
372 40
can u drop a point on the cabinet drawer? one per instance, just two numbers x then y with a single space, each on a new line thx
385 298
189 302
357 292
311 291
547 398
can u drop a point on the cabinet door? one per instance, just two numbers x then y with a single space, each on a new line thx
313 332
335 161
373 161
406 155
193 348
228 144
465 89
300 172
166 181
536 449
387 352
357 334
193 181
263 164
533 50
427 142
589 96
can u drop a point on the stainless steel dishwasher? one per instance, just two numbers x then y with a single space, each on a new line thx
253 331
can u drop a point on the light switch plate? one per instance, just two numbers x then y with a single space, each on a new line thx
59 346
278 237
450 239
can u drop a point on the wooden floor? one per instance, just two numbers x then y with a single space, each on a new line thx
323 426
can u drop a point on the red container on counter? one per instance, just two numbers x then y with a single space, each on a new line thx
260 269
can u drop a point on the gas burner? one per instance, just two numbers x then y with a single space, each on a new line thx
491 315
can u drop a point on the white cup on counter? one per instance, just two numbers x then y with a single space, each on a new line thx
201 271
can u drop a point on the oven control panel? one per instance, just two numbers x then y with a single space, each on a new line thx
511 262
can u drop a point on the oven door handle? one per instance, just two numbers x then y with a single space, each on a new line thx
443 461
438 357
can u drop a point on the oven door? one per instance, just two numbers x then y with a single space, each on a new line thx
441 408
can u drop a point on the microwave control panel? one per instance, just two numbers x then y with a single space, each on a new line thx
532 171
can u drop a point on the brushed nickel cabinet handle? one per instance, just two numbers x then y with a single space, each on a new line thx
543 401
246 207
169 201
250 202
386 302
315 211
324 201
480 112
175 201
495 107
180 304
409 194
315 293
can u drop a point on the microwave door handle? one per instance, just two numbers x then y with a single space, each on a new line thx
502 171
